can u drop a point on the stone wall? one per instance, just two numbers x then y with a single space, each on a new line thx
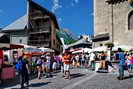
108 18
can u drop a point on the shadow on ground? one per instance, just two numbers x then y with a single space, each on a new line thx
39 84
77 75
19 88
128 77
35 85
12 82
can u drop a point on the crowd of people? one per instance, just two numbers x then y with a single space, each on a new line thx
49 63
43 66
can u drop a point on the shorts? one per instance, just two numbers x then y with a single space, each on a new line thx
54 65
66 67
38 64
48 65
130 66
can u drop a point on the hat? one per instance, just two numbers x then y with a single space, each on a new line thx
47 53
119 50
42 56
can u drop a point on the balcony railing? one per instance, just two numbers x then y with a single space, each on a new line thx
45 28
39 16
39 43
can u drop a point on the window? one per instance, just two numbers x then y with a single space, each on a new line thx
101 44
20 41
54 42
130 21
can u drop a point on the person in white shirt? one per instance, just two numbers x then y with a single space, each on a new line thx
77 59
92 58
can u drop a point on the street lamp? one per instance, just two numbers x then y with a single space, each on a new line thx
111 2
112 18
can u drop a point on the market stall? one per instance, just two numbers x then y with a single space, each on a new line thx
123 47
46 49
31 51
8 70
100 49
82 50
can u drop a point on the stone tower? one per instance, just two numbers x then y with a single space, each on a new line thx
113 22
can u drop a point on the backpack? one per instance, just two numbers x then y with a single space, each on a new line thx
20 65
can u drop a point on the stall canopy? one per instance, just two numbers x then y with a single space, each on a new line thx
46 49
10 46
99 49
4 45
83 50
123 47
15 46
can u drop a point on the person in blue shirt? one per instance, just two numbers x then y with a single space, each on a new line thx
23 71
122 64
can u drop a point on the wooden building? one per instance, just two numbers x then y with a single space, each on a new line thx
37 28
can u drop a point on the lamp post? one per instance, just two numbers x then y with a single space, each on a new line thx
111 2
112 24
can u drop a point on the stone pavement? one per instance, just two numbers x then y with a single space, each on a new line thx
55 82
81 79
106 81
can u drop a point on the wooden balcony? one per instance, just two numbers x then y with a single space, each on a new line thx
39 16
40 29
39 43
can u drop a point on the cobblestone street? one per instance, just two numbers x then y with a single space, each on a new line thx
81 79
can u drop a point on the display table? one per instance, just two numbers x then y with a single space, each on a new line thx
8 73
110 69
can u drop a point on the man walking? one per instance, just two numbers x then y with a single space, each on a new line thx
22 69
122 64
67 62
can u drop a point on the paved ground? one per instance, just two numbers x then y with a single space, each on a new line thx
81 79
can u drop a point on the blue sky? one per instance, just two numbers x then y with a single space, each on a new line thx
75 15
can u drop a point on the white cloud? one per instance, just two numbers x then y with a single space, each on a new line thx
59 19
56 5
76 1
72 4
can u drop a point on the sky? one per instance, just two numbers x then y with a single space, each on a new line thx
74 15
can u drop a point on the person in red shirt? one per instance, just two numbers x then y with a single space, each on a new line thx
67 62
0 70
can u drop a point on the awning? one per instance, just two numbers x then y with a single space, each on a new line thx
46 49
10 46
123 47
15 46
100 49
4 45
83 50
101 37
